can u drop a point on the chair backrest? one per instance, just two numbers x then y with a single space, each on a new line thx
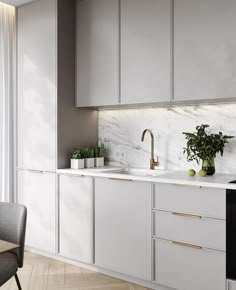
13 225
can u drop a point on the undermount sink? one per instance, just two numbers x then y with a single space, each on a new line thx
138 171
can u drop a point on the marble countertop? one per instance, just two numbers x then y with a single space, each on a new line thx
176 177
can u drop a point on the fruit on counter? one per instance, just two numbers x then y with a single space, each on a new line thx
202 173
191 172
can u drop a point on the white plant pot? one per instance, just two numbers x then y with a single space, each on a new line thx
89 162
74 163
80 163
99 161
77 163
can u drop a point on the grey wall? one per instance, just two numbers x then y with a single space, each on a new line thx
76 127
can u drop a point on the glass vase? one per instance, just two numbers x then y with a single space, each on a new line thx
209 166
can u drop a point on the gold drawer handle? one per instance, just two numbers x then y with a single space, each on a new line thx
187 245
35 171
120 179
186 185
187 215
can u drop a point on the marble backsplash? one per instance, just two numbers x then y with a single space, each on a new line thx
121 130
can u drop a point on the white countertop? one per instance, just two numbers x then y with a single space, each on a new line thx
176 177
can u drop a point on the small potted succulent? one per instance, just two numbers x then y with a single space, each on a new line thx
99 154
88 154
77 159
203 146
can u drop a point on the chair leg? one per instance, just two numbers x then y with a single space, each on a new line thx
18 282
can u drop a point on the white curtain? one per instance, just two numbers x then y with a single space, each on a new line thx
7 93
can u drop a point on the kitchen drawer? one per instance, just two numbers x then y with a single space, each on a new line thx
206 232
231 285
210 202
187 268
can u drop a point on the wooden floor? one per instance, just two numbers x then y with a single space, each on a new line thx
42 273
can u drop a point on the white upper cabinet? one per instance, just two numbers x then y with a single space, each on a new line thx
152 51
204 49
37 86
97 73
145 51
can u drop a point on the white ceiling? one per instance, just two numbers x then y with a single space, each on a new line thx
16 2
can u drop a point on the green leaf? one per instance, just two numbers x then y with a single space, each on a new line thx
202 145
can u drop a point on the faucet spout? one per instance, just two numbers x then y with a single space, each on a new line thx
153 163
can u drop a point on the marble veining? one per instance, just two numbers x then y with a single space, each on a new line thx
120 131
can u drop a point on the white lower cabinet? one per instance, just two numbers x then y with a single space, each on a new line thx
206 232
197 200
189 237
76 217
186 268
37 191
123 226
231 285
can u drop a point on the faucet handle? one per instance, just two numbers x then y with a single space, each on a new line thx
157 163
154 163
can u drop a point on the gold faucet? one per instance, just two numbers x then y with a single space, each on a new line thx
153 163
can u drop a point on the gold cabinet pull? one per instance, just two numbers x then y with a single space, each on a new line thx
187 245
186 185
120 179
187 215
35 171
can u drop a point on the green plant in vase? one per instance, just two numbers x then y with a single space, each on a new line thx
88 154
203 146
96 151
99 154
102 150
74 154
77 161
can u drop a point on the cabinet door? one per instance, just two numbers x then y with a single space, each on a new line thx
145 51
36 191
204 49
231 285
206 232
187 268
37 86
76 217
123 227
197 200
97 75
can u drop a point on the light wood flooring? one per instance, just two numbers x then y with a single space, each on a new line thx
42 273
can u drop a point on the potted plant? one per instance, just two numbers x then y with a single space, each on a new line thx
77 160
203 146
88 154
99 154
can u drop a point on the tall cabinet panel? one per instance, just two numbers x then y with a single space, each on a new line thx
204 49
49 124
37 86
145 51
97 52
36 190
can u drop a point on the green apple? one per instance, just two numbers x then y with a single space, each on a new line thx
202 173
191 172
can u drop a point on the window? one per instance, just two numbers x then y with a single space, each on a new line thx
7 61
